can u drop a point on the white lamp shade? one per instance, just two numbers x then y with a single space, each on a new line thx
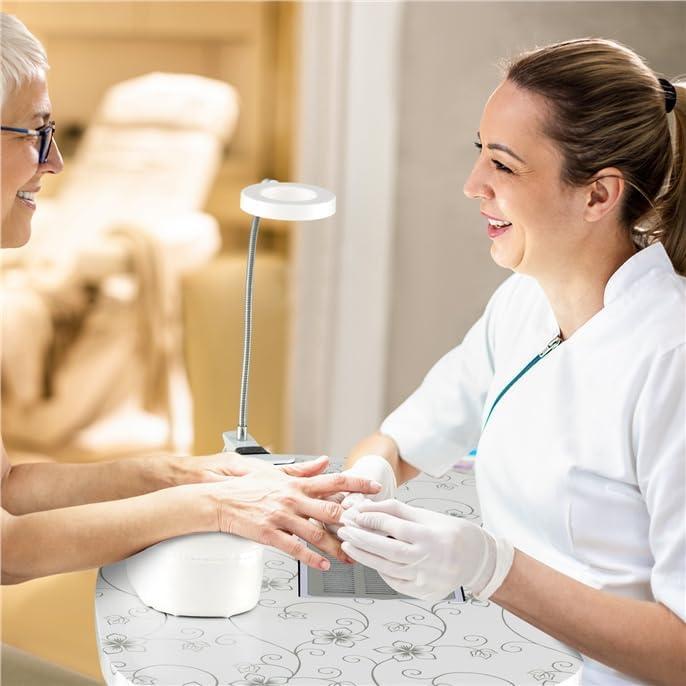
287 201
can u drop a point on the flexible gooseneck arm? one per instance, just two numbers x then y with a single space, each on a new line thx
269 199
242 430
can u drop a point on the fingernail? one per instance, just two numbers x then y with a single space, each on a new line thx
324 564
376 484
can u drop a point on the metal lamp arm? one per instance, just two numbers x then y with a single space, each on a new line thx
284 202
242 430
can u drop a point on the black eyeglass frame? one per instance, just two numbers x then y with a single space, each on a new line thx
45 133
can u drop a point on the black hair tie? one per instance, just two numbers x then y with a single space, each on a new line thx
670 95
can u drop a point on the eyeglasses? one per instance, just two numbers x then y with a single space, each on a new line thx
45 133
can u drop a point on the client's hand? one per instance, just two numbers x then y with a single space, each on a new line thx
218 467
271 507
422 553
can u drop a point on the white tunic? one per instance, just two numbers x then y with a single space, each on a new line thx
582 464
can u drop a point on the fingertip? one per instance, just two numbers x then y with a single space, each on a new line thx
324 565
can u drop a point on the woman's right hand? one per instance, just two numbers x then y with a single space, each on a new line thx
274 508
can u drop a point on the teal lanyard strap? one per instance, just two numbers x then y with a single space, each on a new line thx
551 346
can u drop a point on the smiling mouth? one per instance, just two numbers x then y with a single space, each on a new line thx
498 223
27 199
497 227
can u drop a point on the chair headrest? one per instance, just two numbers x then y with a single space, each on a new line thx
181 101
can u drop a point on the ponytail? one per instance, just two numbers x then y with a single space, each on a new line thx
670 225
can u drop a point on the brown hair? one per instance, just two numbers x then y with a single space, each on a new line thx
607 109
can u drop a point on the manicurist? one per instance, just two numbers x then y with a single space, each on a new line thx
572 384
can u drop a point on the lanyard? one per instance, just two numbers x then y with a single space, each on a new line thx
551 346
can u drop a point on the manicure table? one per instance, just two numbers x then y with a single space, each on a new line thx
314 641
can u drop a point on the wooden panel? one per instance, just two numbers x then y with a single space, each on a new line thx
52 618
213 316
285 90
93 18
220 20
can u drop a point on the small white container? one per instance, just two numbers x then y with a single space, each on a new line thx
198 575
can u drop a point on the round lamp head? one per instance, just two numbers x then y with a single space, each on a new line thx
287 201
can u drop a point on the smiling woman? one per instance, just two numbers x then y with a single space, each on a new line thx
583 350
27 148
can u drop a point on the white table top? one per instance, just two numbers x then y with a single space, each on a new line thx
329 642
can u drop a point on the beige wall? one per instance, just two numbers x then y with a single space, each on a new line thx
442 273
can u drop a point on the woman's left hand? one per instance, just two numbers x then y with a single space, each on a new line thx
424 554
217 467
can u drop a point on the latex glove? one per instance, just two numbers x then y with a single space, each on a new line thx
375 468
429 554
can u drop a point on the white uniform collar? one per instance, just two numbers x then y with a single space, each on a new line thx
635 268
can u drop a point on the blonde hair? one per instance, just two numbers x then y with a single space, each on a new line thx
22 57
607 109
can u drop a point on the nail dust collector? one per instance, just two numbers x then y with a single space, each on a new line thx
216 574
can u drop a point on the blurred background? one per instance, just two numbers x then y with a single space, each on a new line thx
122 319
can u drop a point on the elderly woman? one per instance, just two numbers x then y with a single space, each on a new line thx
573 381
65 517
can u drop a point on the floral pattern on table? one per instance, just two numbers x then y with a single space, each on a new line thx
287 640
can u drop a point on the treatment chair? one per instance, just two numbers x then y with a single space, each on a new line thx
91 320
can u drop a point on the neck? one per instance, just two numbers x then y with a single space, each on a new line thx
579 293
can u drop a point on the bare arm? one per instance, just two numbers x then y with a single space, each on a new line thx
266 504
35 487
379 444
640 638
85 536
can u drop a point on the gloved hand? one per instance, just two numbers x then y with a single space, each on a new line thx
375 468
429 554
